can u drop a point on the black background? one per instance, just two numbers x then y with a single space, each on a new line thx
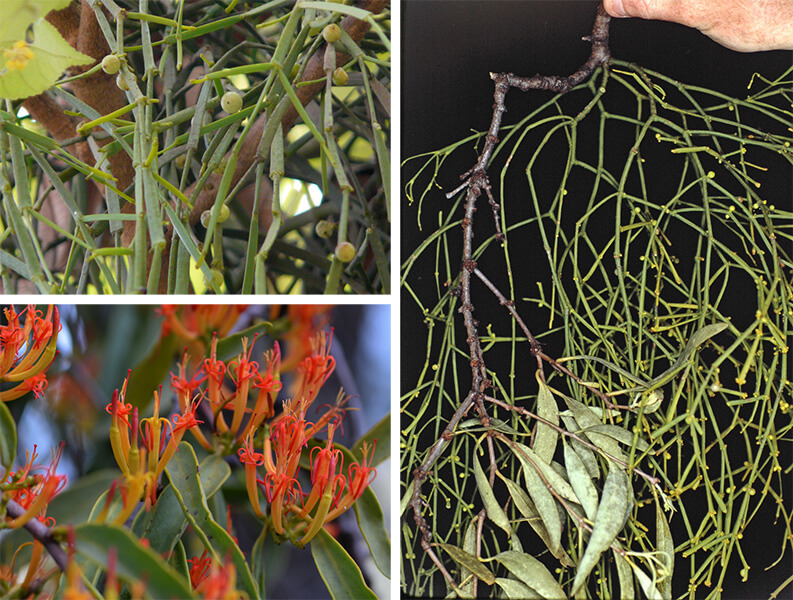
449 47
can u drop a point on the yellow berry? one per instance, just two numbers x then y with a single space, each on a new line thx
340 77
224 214
331 33
345 252
324 229
111 64
231 102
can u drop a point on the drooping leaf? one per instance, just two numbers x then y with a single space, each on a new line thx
587 421
134 562
516 589
546 438
526 507
469 562
666 545
183 473
552 478
42 62
581 482
612 513
338 570
532 572
374 531
381 433
494 511
8 438
625 577
545 504
469 547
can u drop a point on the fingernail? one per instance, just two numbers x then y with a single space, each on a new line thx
617 10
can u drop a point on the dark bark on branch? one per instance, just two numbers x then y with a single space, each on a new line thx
475 183
42 533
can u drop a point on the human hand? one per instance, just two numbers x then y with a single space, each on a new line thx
742 25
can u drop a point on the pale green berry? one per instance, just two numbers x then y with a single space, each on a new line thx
223 216
340 77
216 278
111 64
331 33
122 83
231 102
324 229
345 252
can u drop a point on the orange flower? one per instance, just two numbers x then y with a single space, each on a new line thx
27 351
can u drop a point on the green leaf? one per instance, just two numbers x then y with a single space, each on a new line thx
338 570
532 572
166 523
666 545
135 563
18 14
147 376
380 432
374 531
516 589
581 482
625 576
615 505
545 504
546 438
182 472
494 511
231 346
47 57
469 562
552 478
8 438
526 507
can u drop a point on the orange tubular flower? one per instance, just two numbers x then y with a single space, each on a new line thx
244 370
251 460
359 476
315 370
26 352
37 490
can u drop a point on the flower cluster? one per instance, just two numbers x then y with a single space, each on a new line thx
294 512
27 351
31 488
143 447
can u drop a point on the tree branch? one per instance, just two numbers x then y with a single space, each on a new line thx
42 533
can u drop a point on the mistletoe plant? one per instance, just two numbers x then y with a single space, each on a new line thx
231 431
194 145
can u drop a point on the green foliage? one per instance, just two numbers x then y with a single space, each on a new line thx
663 400
121 214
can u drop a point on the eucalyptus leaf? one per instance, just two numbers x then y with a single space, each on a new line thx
516 589
469 562
581 482
625 576
666 546
532 572
494 511
546 437
612 513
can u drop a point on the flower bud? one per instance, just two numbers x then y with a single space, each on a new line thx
331 33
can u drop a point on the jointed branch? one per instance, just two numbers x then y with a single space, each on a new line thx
475 182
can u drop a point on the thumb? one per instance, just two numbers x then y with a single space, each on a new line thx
645 9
